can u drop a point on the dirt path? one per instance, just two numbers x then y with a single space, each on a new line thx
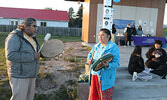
55 73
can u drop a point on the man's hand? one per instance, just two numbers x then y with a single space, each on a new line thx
37 55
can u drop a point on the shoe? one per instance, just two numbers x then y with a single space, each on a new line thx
134 77
164 76
147 70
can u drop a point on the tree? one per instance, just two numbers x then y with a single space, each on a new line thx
79 16
75 20
70 14
48 8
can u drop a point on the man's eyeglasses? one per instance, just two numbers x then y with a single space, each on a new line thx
35 26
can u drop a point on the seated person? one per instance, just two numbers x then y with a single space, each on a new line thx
157 59
139 31
136 62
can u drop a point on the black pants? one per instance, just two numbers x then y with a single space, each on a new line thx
152 64
135 68
161 70
128 39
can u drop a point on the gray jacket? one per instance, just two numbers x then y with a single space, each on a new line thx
20 59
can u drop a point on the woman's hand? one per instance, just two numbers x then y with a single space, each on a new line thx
153 53
105 64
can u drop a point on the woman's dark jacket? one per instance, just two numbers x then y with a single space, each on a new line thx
136 64
161 59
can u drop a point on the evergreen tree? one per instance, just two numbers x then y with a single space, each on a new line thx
72 20
79 17
75 20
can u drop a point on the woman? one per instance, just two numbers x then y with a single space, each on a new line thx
139 30
113 33
136 62
157 59
134 32
102 81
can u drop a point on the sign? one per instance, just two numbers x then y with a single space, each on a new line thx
121 24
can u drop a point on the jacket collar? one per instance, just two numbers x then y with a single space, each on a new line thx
108 46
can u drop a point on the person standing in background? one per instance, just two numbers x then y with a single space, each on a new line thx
113 33
134 32
128 34
139 30
22 58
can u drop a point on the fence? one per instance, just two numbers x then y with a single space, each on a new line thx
59 31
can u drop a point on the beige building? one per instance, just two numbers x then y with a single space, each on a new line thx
147 13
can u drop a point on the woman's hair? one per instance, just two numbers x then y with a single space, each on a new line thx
158 42
139 28
113 26
133 26
26 22
137 50
107 32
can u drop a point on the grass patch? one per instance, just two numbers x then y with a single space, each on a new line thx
40 38
5 92
165 31
70 58
63 93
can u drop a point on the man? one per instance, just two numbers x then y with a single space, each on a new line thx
128 35
22 60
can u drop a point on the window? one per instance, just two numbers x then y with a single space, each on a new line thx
43 24
12 23
16 22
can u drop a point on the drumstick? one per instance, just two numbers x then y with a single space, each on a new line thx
47 37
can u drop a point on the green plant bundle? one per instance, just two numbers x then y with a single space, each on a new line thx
83 78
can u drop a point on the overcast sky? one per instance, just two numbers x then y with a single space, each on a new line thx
40 4
54 4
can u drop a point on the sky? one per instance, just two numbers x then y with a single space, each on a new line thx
41 4
54 4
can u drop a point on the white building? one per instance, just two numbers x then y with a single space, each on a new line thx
49 18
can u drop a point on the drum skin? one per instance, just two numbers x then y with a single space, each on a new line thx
97 64
52 48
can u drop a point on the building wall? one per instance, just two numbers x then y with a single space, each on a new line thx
155 7
7 21
53 23
146 17
89 20
159 4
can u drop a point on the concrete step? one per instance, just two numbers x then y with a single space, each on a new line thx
122 73
138 84
126 89
140 94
